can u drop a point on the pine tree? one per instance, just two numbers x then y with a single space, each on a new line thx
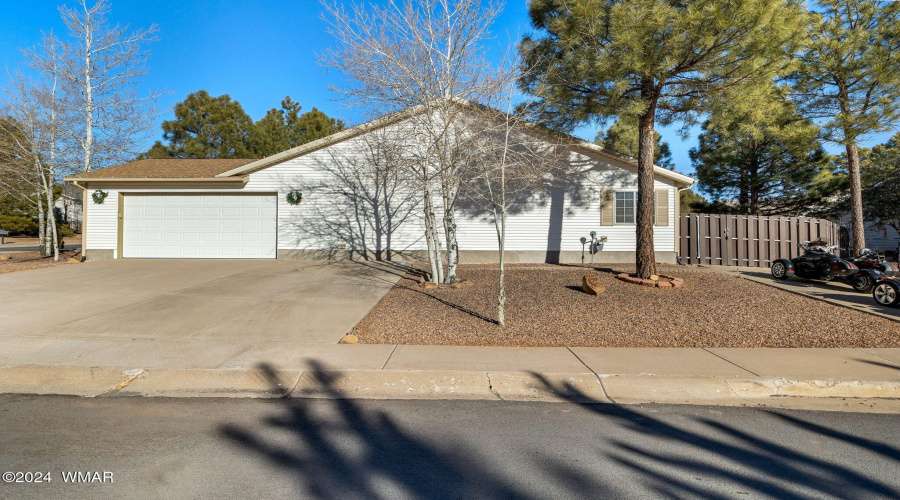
218 127
760 153
657 61
849 78
284 128
208 127
881 184
622 137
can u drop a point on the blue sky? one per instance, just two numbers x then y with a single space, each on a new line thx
257 51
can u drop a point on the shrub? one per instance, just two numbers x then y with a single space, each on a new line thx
17 224
64 231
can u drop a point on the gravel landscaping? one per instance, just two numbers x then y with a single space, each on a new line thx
23 261
546 307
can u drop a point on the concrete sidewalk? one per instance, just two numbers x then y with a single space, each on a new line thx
836 379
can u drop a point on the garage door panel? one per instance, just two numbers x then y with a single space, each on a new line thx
200 226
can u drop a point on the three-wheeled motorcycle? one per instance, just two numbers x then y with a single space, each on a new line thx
871 259
819 263
887 292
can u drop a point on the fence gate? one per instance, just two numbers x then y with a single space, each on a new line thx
749 240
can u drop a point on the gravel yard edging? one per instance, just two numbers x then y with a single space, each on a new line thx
547 307
438 384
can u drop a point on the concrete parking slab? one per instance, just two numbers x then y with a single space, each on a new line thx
835 293
254 283
279 319
485 359
175 299
673 362
50 351
167 316
805 364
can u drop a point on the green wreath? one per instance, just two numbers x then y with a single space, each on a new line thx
294 197
99 195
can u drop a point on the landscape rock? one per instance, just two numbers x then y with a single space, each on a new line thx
591 284
349 339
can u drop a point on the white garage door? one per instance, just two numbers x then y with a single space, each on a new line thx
202 226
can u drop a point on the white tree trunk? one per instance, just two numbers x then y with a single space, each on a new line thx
450 236
53 235
42 224
500 226
88 143
433 256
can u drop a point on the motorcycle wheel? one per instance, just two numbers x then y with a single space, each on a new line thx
887 294
863 283
779 271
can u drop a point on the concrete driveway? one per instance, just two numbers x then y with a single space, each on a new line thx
191 312
836 293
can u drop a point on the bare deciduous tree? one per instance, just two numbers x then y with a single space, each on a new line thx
102 66
374 192
508 159
419 54
29 144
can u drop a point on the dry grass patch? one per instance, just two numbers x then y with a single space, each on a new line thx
546 307
23 261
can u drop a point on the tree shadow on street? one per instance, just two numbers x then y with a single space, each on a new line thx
366 455
755 464
341 448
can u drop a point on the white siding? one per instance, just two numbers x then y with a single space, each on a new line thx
882 239
102 221
326 218
877 239
557 220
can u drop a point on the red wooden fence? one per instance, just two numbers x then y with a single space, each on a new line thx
749 240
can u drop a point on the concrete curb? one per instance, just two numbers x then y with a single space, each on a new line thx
432 384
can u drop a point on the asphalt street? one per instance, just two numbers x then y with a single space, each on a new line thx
128 447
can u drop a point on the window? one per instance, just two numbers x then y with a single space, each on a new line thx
625 203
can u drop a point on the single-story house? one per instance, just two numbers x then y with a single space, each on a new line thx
315 201
68 206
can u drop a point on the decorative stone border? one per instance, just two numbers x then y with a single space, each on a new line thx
662 281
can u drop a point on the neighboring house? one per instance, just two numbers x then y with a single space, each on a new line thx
238 208
68 206
877 239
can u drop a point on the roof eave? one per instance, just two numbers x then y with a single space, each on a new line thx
384 121
323 142
220 180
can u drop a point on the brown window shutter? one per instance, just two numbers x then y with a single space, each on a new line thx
662 207
608 208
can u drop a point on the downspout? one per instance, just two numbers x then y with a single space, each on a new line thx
83 218
678 219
